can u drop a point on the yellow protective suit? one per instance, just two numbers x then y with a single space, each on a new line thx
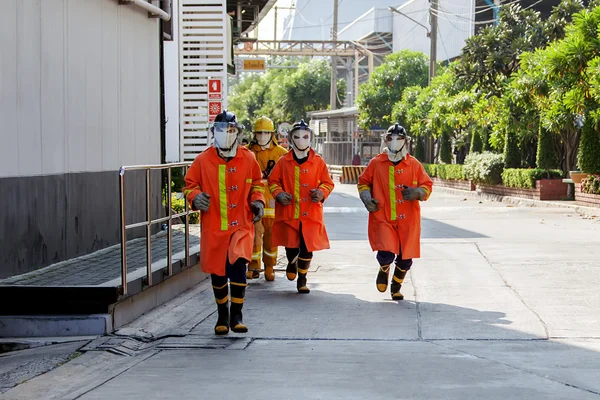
267 158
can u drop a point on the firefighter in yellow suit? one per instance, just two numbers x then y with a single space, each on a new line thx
267 151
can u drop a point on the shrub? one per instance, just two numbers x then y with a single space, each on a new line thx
476 142
177 179
446 149
512 157
591 184
450 171
431 170
485 168
420 149
588 157
546 156
178 206
525 178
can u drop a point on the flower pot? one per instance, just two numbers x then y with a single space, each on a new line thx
577 176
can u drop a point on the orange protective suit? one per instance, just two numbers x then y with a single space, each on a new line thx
397 223
267 158
227 229
297 180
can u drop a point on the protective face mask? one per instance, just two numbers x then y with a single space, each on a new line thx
397 149
301 144
225 139
263 138
226 142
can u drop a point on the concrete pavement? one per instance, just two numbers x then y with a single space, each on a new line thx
503 304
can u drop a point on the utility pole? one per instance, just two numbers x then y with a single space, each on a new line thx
433 38
275 30
333 92
433 10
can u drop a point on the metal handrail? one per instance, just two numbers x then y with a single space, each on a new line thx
149 221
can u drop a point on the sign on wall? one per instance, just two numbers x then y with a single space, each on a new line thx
214 89
214 108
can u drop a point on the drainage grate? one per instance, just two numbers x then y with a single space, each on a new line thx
117 345
199 342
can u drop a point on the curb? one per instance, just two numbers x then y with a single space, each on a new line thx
583 210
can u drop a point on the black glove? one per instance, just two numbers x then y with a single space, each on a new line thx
258 209
370 203
284 198
317 195
412 194
201 202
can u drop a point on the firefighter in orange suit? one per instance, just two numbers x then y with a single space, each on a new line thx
224 183
300 183
391 187
267 152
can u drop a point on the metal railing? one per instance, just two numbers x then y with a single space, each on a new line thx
149 221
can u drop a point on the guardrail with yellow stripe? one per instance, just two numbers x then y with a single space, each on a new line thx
346 173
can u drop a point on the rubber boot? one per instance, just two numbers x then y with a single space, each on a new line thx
383 277
397 281
238 291
221 292
269 273
292 269
303 266
253 270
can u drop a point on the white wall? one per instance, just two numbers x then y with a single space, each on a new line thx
454 27
171 50
79 87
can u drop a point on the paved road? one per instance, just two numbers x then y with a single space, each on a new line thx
502 305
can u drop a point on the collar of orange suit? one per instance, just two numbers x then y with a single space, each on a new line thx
290 156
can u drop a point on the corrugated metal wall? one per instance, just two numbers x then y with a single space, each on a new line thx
79 87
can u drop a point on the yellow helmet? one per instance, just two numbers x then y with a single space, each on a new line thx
264 124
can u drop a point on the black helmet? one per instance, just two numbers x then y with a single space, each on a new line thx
300 125
397 129
229 118
226 116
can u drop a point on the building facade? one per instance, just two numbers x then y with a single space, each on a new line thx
81 96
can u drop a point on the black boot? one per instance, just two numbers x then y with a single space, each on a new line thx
303 266
292 269
221 292
238 291
397 280
383 277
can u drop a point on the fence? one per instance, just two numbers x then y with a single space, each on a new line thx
149 221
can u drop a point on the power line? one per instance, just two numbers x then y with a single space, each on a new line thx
349 22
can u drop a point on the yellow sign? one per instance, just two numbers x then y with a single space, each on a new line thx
254 64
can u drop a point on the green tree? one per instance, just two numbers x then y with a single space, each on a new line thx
446 149
476 142
546 155
512 158
561 78
588 158
285 94
377 96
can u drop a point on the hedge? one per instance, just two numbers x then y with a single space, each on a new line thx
431 170
525 178
450 172
484 168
